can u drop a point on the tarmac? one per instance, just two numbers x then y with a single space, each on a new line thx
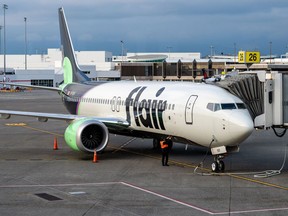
128 178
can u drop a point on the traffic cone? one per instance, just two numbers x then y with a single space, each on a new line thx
55 147
95 158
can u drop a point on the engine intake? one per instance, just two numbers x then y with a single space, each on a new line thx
87 135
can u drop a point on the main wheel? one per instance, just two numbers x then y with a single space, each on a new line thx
221 166
214 167
156 143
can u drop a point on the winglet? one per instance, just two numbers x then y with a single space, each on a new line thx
72 71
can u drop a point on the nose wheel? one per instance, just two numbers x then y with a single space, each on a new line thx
218 165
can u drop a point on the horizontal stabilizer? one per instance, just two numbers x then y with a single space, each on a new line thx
31 86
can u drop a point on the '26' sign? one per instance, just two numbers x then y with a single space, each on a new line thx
249 57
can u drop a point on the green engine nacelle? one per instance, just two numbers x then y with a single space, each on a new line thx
87 135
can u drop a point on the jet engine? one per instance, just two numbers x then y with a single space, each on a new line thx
87 135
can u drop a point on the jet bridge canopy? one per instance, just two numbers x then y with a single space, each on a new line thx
249 89
265 95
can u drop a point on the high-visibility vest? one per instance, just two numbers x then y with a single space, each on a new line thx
163 145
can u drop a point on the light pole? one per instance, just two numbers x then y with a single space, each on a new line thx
211 50
0 38
169 50
4 9
270 51
122 49
25 21
235 52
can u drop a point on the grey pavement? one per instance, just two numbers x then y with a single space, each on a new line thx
128 178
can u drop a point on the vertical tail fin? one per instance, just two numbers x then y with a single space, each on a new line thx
72 72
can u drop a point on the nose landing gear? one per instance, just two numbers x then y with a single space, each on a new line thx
218 165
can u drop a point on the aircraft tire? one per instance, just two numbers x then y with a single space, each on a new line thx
156 143
221 166
215 167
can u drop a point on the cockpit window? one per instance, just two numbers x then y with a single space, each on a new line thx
210 106
241 106
217 107
226 106
213 107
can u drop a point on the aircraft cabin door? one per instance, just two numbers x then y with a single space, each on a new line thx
189 109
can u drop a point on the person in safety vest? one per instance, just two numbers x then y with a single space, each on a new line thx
166 146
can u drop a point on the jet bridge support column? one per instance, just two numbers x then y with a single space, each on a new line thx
275 100
278 97
277 114
280 103
265 120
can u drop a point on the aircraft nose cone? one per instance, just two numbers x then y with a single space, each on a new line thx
241 127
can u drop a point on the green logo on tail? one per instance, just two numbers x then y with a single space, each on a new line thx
68 72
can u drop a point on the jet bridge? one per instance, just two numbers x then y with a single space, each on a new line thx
265 95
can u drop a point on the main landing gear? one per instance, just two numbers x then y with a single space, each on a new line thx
156 143
218 165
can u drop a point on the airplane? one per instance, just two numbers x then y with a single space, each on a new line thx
193 113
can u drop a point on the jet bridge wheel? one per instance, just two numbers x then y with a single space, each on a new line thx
218 165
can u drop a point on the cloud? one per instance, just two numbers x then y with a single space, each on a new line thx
154 25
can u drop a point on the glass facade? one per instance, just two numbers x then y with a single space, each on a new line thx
48 82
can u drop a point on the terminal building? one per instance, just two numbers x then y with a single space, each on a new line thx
46 69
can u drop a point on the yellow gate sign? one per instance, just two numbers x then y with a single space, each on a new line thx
248 57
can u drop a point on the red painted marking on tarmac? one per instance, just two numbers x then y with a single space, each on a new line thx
168 198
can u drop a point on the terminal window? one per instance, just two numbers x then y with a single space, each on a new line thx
48 83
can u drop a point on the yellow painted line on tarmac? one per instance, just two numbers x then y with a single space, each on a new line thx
259 182
208 171
32 128
132 152
15 124
158 158
43 131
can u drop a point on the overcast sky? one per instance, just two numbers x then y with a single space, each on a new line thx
150 25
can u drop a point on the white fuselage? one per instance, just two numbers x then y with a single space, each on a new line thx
197 113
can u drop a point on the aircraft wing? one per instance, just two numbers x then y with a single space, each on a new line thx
113 123
31 86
